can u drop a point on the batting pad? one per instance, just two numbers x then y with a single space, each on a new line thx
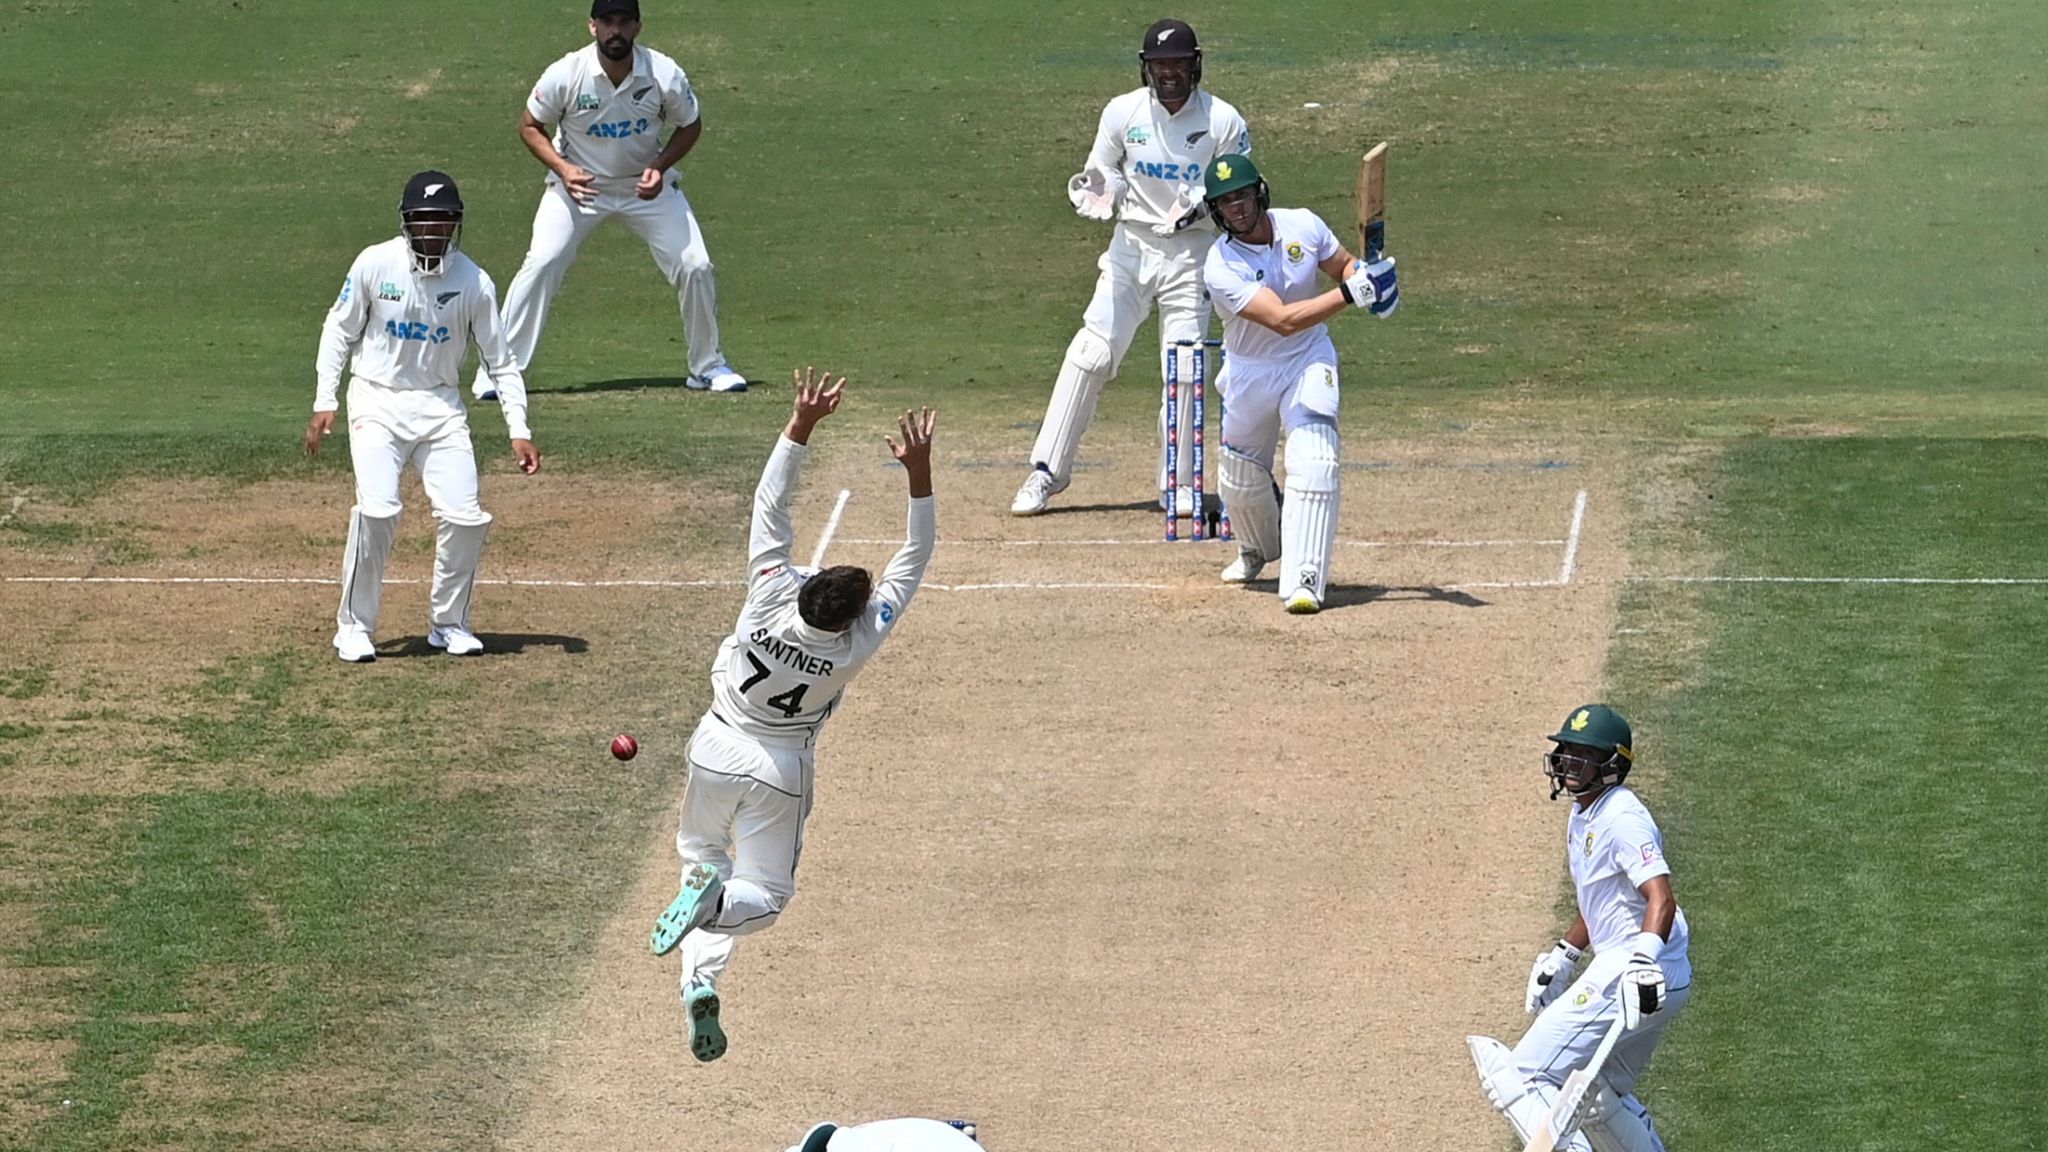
1308 522
1619 1123
1523 1105
1072 407
458 552
362 569
1247 489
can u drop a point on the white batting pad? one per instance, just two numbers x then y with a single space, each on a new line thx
1072 407
458 552
1308 521
362 569
1247 489
1619 1124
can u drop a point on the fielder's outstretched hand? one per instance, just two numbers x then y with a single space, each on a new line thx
817 396
914 452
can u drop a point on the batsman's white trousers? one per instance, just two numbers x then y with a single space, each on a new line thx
1566 1033
1137 271
670 229
389 428
744 809
1264 399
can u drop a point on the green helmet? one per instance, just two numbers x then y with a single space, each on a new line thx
1602 729
1228 174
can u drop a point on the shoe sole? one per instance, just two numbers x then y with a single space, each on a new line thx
695 384
707 1036
700 885
443 646
1303 607
370 659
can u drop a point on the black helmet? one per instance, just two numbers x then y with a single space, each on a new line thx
426 212
1170 40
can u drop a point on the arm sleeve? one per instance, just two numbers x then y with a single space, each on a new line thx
339 335
550 96
1637 852
906 569
772 537
679 101
1228 286
496 354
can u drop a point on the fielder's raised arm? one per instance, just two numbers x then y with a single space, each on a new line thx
773 536
906 570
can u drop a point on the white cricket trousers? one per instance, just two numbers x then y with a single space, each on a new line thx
389 428
744 809
1136 271
670 229
1264 399
1565 1034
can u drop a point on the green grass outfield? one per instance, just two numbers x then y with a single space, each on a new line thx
1623 227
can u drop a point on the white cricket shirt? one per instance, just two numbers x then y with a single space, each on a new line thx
1156 153
1615 848
1235 271
401 330
777 679
613 132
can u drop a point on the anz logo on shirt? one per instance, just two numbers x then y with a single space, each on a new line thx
1190 173
413 330
619 129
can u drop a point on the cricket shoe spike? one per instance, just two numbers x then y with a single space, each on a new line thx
353 645
1038 490
1245 568
455 641
707 1036
693 907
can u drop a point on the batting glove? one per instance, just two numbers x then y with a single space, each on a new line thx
1550 976
1643 988
1373 286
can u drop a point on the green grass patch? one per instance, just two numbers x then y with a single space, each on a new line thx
1853 781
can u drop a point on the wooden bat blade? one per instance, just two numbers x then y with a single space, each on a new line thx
1372 201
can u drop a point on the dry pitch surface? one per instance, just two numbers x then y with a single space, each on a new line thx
1134 860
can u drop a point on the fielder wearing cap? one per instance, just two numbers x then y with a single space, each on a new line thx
1638 934
911 1134
606 106
1152 146
407 313
1281 377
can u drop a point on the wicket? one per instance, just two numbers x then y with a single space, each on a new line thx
1218 525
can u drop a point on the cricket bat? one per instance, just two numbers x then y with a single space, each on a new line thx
1564 1114
1372 203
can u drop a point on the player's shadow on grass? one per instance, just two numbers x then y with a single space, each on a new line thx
495 644
622 384
1355 595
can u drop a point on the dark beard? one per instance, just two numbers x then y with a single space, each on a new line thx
620 53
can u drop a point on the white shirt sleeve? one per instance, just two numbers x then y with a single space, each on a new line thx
906 569
679 100
1633 841
1234 135
1228 285
1108 153
489 336
772 536
1326 241
339 335
550 97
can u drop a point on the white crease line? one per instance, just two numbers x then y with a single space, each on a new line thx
389 581
1048 586
831 528
1105 543
1571 539
1951 581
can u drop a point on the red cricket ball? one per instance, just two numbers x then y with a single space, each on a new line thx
624 747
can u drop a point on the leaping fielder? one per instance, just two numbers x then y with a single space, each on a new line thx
1151 148
802 637
407 314
606 105
1639 939
910 1134
1281 375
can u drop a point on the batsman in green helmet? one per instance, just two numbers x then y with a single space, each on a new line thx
1281 378
1640 977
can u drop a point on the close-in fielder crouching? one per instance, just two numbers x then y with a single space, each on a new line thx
1280 375
405 318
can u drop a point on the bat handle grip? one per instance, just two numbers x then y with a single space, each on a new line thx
1375 240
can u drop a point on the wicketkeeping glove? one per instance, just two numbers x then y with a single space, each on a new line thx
1373 286
1188 207
1550 976
1642 989
1094 193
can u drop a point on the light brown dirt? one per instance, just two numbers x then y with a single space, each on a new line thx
1144 868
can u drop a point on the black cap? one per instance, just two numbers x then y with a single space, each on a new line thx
431 192
602 8
1169 40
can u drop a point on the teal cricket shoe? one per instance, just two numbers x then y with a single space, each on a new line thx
707 1037
692 907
